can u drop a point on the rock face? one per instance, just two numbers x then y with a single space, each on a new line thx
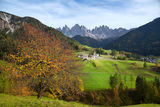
76 30
102 32
6 22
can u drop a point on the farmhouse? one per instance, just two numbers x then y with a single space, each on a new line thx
83 56
87 56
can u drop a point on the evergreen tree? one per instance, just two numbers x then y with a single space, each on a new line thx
157 82
145 65
114 80
140 89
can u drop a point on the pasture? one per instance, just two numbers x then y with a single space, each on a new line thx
96 73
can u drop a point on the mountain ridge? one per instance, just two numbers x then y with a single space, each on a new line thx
101 43
101 32
13 25
144 40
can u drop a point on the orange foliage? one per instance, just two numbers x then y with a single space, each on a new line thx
42 59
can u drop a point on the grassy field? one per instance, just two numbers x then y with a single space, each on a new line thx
97 72
144 105
32 101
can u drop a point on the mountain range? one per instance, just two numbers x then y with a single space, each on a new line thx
144 40
101 32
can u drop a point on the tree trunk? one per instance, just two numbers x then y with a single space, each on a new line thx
39 95
39 90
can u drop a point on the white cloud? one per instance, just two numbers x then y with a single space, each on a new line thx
60 12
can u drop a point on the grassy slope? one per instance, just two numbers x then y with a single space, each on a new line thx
144 105
96 78
32 101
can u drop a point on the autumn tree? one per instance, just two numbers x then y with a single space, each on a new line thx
44 63
116 98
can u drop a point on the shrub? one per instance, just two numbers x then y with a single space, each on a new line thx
115 80
99 51
145 65
85 49
121 58
93 63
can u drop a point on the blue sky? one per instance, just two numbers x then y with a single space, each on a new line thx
91 13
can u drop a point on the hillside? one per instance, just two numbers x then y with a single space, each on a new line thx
32 101
14 26
144 40
100 43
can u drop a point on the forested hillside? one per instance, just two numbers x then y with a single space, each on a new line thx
144 40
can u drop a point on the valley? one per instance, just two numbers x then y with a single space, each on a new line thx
97 72
77 67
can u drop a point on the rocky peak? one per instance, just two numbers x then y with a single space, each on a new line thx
76 30
65 28
101 32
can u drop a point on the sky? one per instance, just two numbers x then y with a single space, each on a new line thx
90 13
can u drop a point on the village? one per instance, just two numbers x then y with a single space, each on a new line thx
86 57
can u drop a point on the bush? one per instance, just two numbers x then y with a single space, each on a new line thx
99 51
85 49
49 95
121 58
105 53
145 65
114 52
115 80
93 63
4 83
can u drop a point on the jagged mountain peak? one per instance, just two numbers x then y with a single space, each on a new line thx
76 30
77 26
65 27
101 32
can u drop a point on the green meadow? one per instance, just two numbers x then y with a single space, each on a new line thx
32 101
96 73
144 105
